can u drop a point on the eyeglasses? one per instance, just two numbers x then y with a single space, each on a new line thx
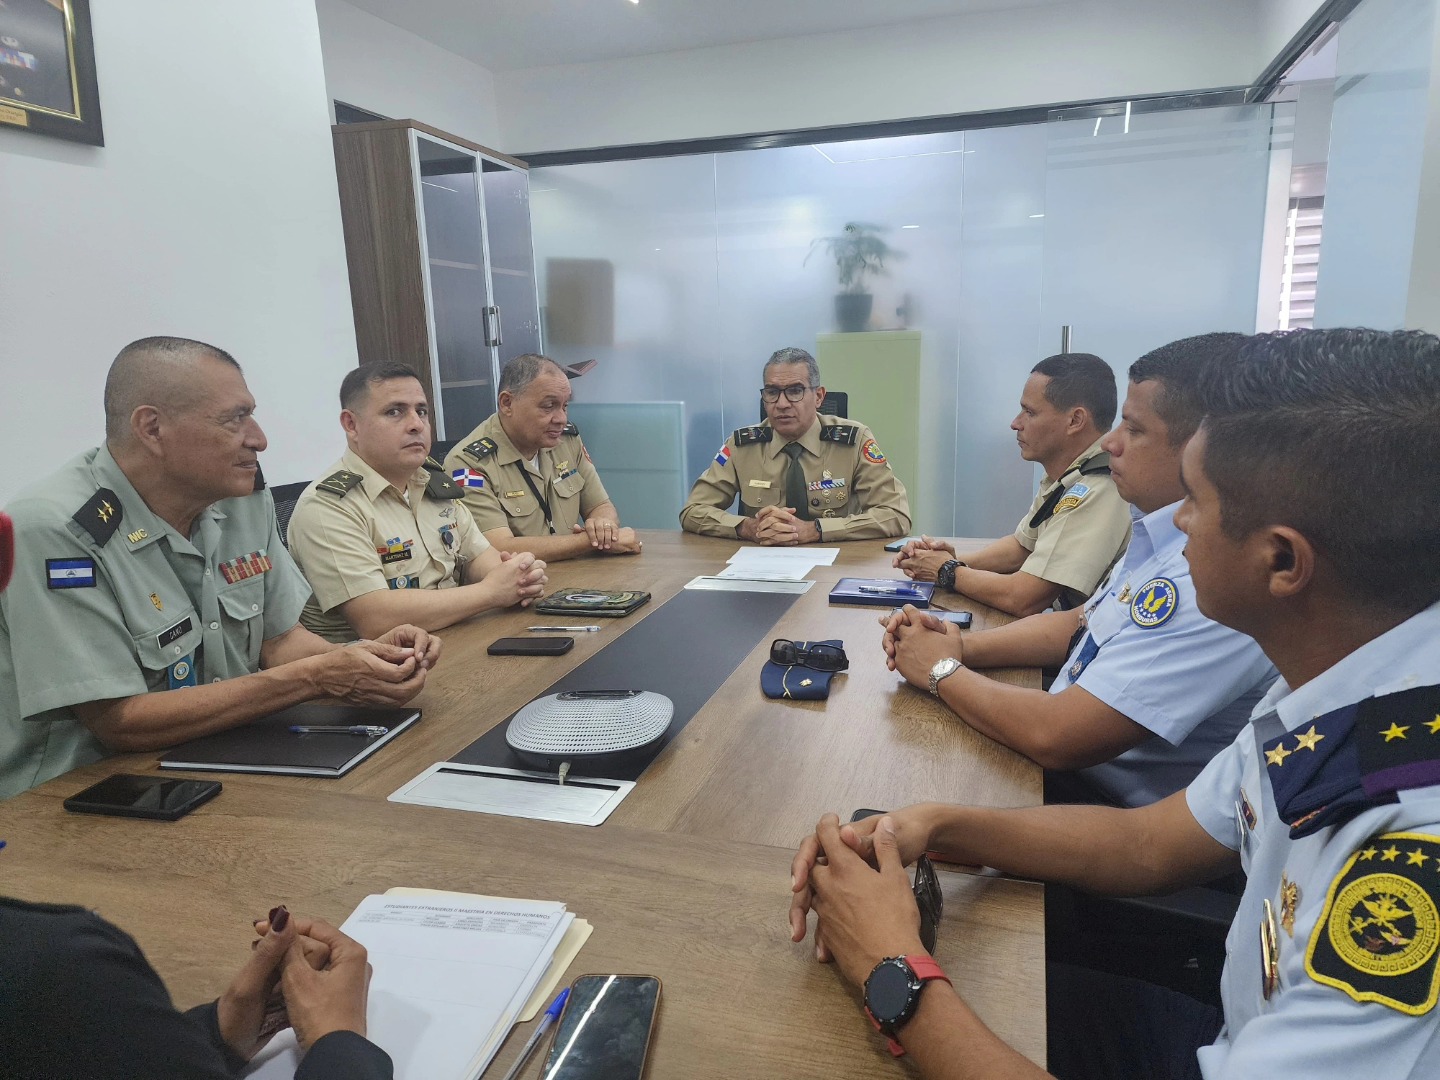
793 392
819 657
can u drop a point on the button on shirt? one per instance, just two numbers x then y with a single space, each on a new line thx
374 538
1085 535
1306 1028
163 610
1186 679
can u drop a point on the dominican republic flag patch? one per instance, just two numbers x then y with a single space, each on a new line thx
723 457
70 573
468 478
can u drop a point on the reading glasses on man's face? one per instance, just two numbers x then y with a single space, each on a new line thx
793 392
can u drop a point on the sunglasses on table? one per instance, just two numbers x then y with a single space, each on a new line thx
819 657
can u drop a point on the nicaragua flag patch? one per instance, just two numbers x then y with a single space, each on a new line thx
70 573
468 478
723 457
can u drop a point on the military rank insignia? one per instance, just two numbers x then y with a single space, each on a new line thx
1154 603
1378 937
1072 498
870 451
245 566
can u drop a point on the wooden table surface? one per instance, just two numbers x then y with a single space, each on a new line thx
688 879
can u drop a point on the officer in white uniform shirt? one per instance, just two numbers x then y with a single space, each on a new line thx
1312 507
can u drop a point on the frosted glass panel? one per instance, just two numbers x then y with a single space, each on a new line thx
1372 184
1153 233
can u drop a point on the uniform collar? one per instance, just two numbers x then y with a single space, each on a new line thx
810 440
1155 531
1406 656
505 452
1093 450
372 483
137 517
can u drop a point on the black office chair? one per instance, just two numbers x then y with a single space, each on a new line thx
441 448
286 495
836 403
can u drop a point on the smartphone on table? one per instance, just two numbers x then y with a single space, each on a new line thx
962 619
604 1032
520 646
157 797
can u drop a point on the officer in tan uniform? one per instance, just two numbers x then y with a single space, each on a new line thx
801 477
1077 526
386 538
528 481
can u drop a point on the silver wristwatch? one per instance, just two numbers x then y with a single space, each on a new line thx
943 669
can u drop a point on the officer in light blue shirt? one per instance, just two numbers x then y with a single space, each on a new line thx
1149 689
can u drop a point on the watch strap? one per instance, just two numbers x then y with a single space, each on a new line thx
945 576
925 969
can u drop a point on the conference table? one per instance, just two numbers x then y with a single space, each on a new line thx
687 880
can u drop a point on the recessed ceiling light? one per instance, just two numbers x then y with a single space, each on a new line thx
909 226
1037 215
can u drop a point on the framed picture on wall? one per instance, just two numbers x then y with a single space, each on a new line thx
47 69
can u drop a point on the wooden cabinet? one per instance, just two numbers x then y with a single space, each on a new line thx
442 273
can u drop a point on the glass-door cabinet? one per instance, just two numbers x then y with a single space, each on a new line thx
442 273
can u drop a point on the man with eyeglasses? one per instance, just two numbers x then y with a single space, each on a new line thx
801 477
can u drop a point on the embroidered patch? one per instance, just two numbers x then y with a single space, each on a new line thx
394 550
1378 937
723 457
1072 498
412 582
468 478
70 573
181 673
870 451
1154 603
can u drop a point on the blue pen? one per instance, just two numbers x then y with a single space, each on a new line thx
901 590
551 1015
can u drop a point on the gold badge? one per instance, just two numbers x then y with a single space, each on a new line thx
1124 596
1269 952
514 494
136 536
1289 901
155 599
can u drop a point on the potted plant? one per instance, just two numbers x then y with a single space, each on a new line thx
859 252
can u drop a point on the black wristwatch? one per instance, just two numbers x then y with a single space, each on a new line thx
892 993
945 576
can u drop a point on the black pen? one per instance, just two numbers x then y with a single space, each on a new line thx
371 730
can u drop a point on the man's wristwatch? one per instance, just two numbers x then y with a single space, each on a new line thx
945 576
943 669
892 993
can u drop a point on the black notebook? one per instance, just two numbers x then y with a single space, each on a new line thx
270 746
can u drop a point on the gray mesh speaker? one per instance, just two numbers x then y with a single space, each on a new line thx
582 724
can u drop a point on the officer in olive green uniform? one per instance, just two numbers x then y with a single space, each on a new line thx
109 601
353 533
850 492
1077 528
503 490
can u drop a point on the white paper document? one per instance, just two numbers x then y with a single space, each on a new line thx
451 974
818 556
485 789
724 584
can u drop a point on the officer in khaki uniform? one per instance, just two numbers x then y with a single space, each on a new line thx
830 472
386 536
528 481
353 533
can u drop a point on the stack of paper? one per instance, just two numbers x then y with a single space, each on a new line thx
453 974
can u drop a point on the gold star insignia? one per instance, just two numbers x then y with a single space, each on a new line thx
1416 857
1395 731
1434 725
1368 854
1308 740
1278 755
105 511
1390 854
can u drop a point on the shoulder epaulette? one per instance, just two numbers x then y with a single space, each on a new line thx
1097 466
339 483
440 485
100 516
259 478
840 432
760 433
570 429
480 448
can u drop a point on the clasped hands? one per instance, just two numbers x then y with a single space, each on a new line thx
778 526
914 640
520 578
389 670
921 559
609 536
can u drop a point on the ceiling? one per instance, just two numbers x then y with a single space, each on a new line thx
507 35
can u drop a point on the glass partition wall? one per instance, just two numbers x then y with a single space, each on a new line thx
682 274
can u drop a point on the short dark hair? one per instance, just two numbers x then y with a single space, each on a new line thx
1083 379
148 372
520 371
1179 368
1335 433
358 380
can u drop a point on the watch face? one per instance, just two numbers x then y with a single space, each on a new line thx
890 990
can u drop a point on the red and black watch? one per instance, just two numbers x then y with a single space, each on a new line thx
892 993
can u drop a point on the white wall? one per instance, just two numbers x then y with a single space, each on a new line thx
211 212
1279 21
376 66
988 60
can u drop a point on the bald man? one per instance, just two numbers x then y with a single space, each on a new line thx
152 563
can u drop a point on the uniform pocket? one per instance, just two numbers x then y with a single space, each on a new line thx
174 646
244 603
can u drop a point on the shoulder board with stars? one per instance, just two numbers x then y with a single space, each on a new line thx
440 484
480 448
100 516
760 433
1378 938
840 432
570 429
339 483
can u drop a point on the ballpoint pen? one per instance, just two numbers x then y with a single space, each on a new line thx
339 729
875 590
565 629
551 1015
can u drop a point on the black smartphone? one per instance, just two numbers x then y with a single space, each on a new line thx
156 797
926 886
604 1032
962 619
896 545
528 646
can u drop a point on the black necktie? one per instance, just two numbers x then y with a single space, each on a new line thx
795 490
